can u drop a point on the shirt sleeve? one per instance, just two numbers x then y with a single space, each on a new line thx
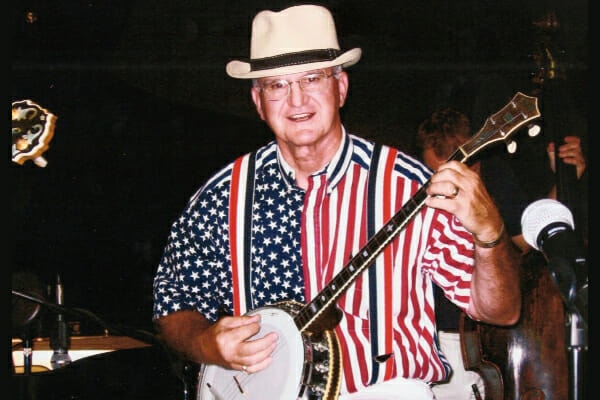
448 257
193 272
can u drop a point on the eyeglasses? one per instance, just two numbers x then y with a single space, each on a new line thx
280 89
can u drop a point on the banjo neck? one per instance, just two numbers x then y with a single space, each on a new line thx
316 315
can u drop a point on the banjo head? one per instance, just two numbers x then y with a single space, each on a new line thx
281 380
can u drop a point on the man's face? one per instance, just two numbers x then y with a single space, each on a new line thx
431 159
302 117
434 162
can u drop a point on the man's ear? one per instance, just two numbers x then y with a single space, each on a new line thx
343 87
255 93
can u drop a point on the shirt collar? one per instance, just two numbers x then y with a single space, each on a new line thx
334 170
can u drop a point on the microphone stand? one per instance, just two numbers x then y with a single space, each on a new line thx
575 304
27 345
60 341
578 343
27 355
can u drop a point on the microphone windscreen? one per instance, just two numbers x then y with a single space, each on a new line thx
541 213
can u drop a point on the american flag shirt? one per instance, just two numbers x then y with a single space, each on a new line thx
249 237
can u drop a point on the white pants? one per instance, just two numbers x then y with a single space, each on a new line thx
394 389
459 387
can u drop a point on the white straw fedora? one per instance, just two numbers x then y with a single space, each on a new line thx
296 39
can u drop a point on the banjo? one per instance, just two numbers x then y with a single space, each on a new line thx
306 362
31 132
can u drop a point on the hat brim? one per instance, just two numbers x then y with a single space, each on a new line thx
242 70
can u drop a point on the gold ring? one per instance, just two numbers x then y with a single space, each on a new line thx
244 368
455 193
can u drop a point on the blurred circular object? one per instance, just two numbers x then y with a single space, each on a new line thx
23 310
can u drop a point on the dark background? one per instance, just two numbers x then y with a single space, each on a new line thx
146 113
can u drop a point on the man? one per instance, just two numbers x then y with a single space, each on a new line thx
280 224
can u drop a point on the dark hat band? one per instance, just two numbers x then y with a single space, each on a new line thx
301 57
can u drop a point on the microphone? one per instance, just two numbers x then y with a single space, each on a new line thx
548 227
60 341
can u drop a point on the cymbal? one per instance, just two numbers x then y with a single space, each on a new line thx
24 311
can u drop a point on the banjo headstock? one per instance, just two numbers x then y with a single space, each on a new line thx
32 131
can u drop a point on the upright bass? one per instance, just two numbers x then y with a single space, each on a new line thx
533 355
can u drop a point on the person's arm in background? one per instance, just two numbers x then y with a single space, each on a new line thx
570 153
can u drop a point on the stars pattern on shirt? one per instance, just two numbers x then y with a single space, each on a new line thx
196 271
198 255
